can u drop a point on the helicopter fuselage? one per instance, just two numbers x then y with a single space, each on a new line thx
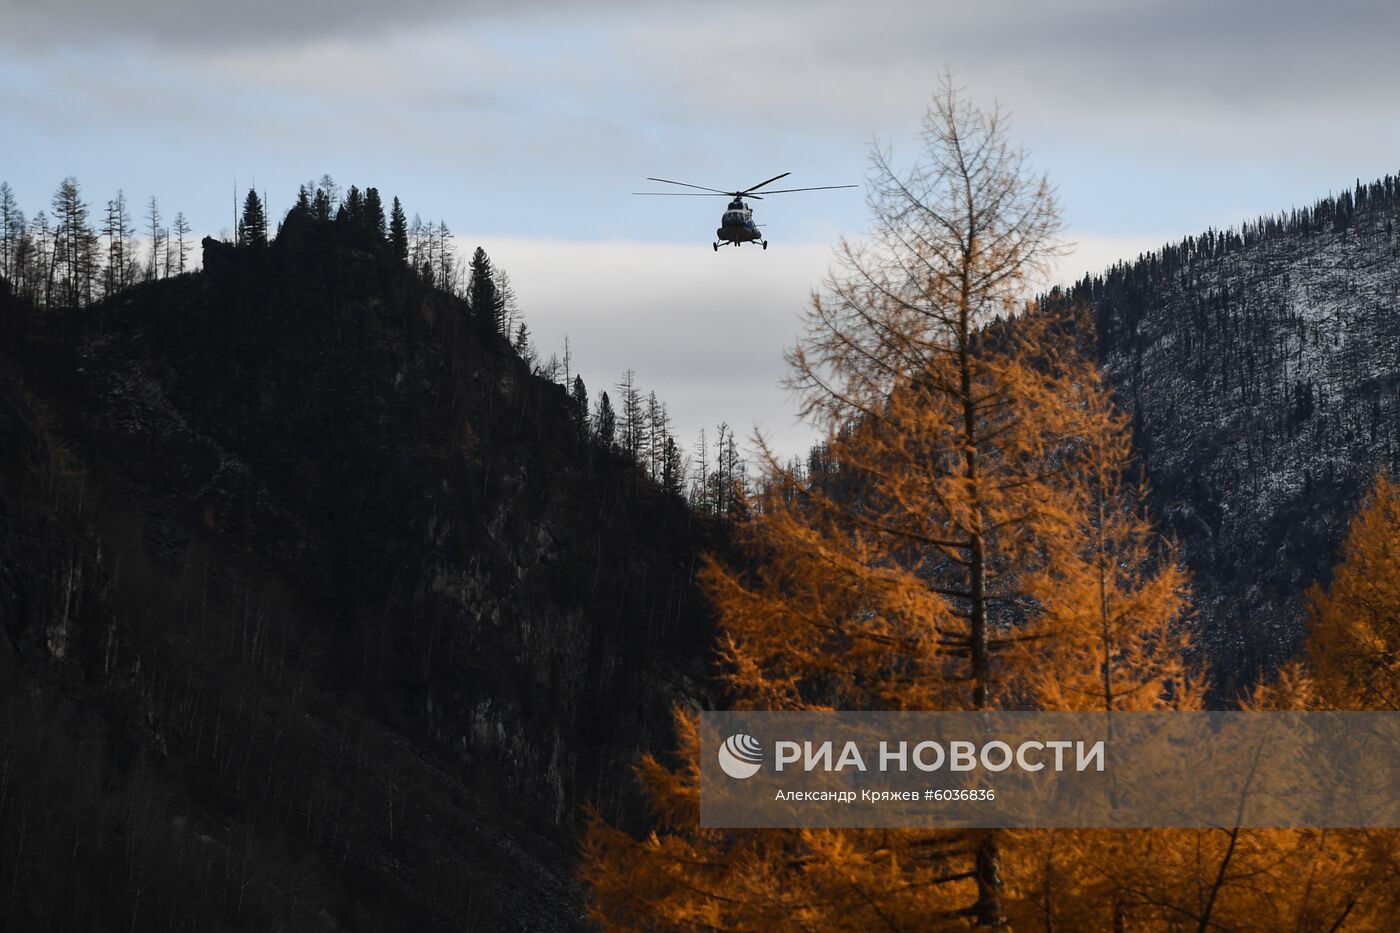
736 225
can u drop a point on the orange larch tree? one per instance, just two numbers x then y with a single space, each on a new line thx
945 558
1113 591
1354 624
1234 878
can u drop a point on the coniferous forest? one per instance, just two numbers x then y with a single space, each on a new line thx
331 602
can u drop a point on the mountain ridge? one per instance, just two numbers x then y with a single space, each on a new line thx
1261 367
334 605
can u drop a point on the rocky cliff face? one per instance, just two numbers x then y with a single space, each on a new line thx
321 611
1262 370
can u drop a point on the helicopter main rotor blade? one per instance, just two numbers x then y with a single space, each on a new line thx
697 194
686 184
818 188
768 182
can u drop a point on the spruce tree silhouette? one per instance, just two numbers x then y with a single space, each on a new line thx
252 226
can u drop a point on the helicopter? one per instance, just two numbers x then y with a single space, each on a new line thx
736 224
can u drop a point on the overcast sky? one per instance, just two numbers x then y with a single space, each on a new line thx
525 126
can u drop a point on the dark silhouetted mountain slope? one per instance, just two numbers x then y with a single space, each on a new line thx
320 611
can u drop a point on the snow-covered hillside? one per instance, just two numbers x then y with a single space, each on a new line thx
1262 369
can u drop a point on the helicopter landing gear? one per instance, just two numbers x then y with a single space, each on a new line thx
765 244
716 246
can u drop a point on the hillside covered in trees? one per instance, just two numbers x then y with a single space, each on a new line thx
1261 367
323 608
58 259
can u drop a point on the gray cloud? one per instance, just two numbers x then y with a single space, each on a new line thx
1083 63
225 23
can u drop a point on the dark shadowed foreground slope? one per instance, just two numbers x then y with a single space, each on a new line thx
319 611
1262 368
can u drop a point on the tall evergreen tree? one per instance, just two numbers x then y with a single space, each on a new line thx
321 205
578 400
398 233
483 296
350 217
252 226
672 468
373 213
605 422
72 262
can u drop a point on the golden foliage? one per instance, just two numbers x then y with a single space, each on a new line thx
681 877
1112 589
973 539
1184 879
1354 637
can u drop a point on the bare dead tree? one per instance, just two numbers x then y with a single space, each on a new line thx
156 231
182 247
